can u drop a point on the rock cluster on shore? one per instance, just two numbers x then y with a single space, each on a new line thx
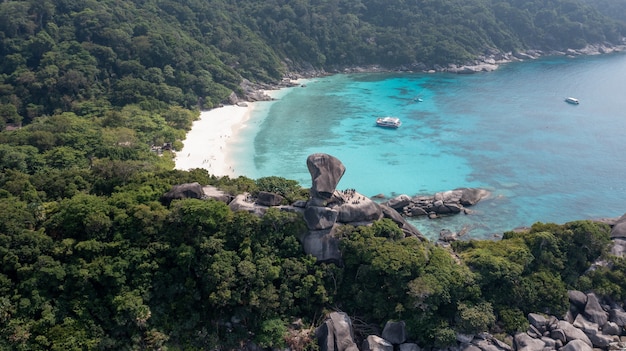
590 324
442 203
487 62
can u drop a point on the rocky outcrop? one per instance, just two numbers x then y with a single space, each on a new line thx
183 191
589 325
214 193
442 203
336 333
326 172
619 228
329 208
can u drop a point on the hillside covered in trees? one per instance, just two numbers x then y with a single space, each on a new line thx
88 56
95 95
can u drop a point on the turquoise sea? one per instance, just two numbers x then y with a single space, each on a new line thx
508 131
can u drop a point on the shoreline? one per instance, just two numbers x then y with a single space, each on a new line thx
207 143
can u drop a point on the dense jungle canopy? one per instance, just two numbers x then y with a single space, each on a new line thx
91 259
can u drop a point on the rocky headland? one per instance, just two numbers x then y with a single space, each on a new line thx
591 323
329 208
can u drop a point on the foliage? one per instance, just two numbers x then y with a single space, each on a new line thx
289 189
532 270
475 318
273 332
99 91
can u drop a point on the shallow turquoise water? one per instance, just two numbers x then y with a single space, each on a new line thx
509 131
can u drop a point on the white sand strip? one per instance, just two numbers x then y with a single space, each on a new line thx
205 144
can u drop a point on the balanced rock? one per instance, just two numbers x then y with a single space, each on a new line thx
326 172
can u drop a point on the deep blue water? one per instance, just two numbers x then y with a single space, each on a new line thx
509 131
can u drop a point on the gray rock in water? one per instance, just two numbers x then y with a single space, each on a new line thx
399 202
183 191
471 196
326 172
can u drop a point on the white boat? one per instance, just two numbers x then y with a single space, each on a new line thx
572 100
388 122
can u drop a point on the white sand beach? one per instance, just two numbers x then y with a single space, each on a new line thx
206 142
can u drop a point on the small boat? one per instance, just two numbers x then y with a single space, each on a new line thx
572 101
388 122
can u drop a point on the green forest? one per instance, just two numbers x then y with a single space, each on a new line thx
95 97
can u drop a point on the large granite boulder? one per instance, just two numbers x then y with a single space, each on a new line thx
572 333
619 228
594 312
320 218
243 202
265 198
183 191
323 245
214 193
328 207
326 172
358 210
336 333
471 196
395 332
526 343
577 299
399 202
576 345
376 343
